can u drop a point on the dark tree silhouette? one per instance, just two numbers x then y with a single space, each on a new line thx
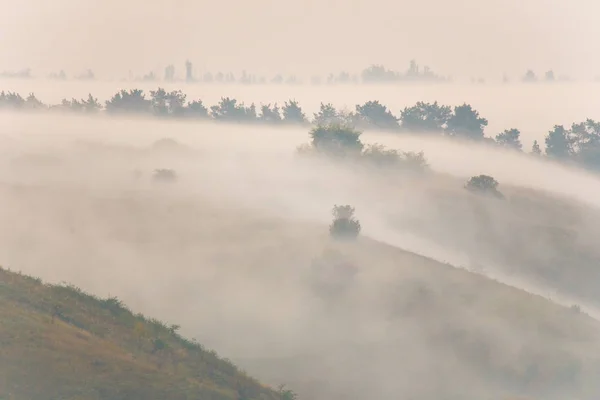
336 140
167 103
558 143
425 117
132 101
585 142
510 138
270 114
483 184
327 115
230 110
32 103
196 109
292 113
465 122
11 100
374 114
344 225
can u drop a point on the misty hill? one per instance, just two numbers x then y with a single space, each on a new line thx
58 342
331 320
235 246
542 238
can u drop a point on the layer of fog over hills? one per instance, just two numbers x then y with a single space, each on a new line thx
232 249
446 294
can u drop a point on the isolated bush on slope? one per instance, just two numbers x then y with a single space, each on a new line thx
510 138
164 175
342 141
378 155
336 140
344 225
483 184
375 114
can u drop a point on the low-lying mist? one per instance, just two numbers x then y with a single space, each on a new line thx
229 249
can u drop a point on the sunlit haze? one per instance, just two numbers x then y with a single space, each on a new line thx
460 38
464 266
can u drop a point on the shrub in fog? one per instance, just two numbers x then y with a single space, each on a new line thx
196 109
425 117
33 103
483 184
132 101
164 175
270 114
336 139
292 113
510 138
342 140
11 100
344 225
167 103
466 123
327 115
374 114
415 161
378 155
230 110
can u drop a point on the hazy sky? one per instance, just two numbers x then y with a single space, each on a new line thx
460 37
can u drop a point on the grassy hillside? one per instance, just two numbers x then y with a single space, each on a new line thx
57 342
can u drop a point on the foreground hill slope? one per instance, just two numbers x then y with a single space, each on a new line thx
57 342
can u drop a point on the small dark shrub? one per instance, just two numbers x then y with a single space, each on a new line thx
484 184
164 175
344 225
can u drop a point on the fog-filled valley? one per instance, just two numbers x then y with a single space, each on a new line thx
500 298
299 201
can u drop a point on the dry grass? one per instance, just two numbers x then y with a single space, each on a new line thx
57 342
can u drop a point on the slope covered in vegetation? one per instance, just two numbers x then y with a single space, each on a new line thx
57 342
